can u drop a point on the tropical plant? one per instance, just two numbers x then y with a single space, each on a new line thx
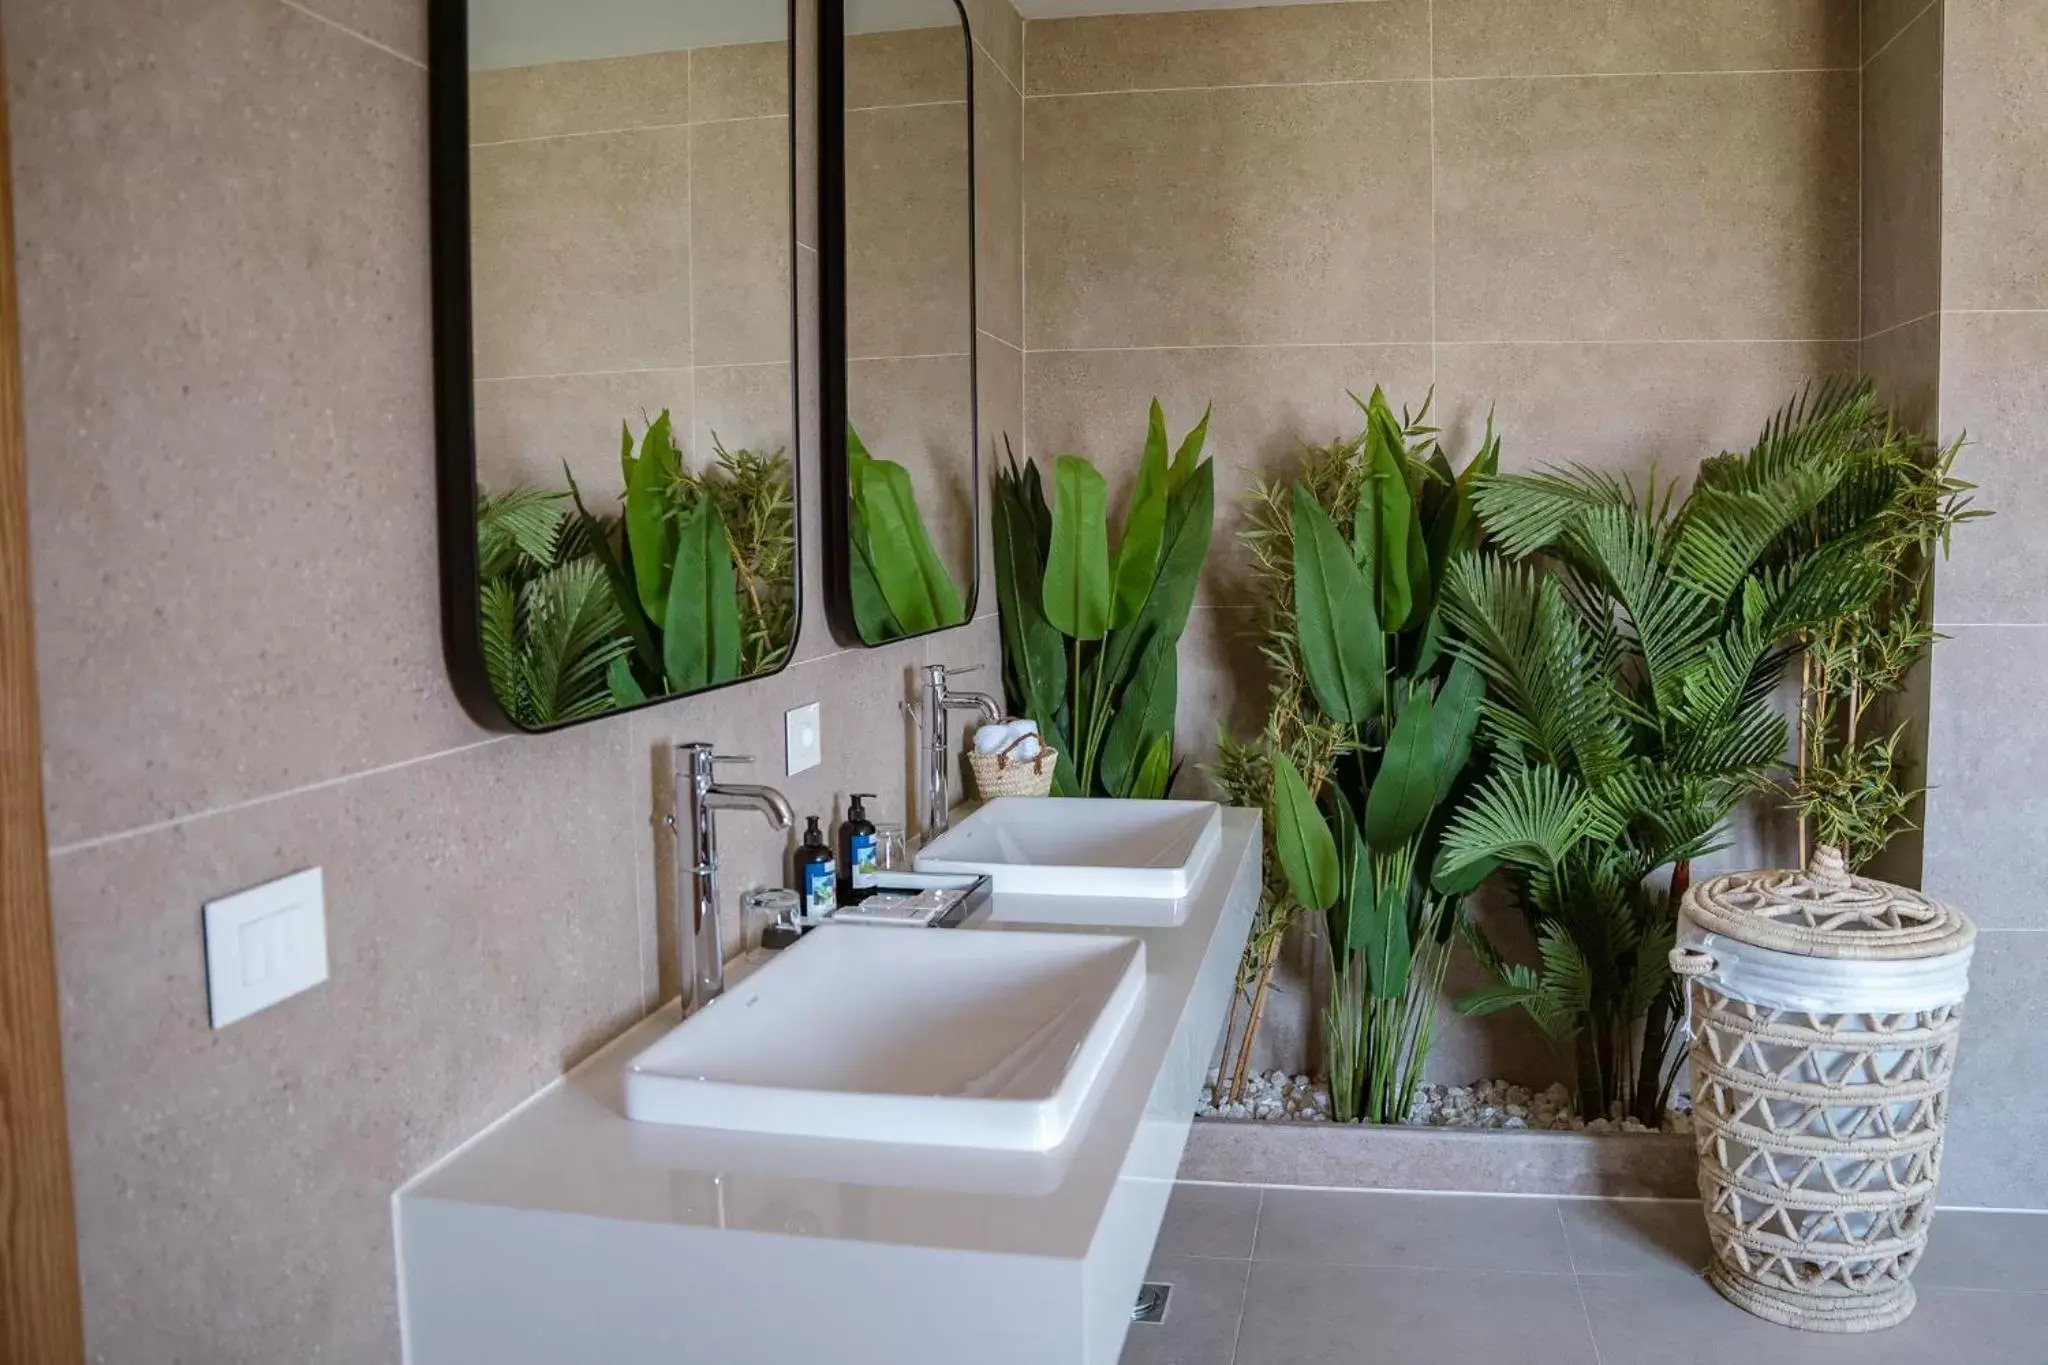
757 508
900 585
671 573
1630 677
1848 783
1091 633
1368 739
551 630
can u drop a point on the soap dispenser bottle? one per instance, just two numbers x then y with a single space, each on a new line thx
857 847
817 877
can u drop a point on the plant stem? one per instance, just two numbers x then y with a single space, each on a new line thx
1251 1028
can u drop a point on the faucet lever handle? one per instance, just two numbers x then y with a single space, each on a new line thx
952 672
717 759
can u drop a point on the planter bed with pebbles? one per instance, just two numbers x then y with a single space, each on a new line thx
1494 1104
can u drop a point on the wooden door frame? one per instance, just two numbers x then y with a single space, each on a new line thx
40 1322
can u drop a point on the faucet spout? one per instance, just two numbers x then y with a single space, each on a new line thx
773 806
991 710
939 702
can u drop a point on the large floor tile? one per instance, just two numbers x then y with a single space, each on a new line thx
1994 389
1994 1156
1625 407
1352 1315
1276 214
1987 739
1636 1236
221 213
234 1186
1265 402
1557 200
1210 1220
1515 38
1972 1250
1269 45
1202 1314
1432 1231
1660 1321
1994 142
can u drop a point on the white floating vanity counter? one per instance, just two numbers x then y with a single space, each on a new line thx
568 1232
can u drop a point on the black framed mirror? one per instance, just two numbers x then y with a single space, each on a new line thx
900 419
615 323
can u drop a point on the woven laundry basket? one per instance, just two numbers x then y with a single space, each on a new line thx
1823 1011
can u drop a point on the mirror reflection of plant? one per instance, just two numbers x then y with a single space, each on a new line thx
1091 635
1847 784
1630 677
757 508
900 585
672 572
551 628
1368 740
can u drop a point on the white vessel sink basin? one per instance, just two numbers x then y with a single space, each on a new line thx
941 1037
1061 846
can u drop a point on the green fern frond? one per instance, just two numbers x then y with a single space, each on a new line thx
519 532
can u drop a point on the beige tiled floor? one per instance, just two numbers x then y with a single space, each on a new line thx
1318 1277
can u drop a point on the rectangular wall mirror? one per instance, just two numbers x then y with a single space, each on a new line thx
614 300
897 273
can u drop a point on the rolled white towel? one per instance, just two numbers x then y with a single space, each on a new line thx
1026 750
991 739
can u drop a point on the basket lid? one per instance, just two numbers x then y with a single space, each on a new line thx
1825 911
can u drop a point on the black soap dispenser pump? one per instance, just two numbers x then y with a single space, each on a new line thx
857 847
817 877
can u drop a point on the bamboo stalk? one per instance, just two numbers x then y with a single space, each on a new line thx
1251 1028
1805 737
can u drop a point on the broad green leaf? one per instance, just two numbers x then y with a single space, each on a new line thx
1355 889
638 625
1404 790
914 582
1137 553
625 688
1031 647
871 614
701 631
1457 717
651 530
625 454
1387 451
1143 714
1156 772
1190 522
1384 942
1077 598
1190 453
1307 853
1342 650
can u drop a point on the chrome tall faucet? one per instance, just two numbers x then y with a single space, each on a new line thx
939 698
700 945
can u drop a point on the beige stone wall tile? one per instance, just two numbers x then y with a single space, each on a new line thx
740 243
1584 37
563 98
1902 95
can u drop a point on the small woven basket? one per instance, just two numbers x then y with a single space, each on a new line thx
1819 1128
1000 774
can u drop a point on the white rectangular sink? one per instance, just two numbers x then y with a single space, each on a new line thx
1063 846
942 1037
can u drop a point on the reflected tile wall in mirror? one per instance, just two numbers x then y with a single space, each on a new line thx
631 287
910 327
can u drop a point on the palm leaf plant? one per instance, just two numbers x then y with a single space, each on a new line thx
1849 782
1631 646
551 630
900 585
1368 740
757 509
1091 631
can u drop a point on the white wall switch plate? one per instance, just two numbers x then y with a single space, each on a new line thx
804 730
265 945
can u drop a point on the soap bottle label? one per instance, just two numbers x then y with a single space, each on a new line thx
821 889
864 873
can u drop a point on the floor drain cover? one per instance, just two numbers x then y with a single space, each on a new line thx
1151 1304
